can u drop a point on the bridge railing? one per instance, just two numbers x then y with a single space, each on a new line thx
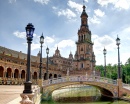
82 78
127 86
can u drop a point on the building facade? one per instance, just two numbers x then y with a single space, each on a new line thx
13 63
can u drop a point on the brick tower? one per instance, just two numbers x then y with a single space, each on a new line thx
84 56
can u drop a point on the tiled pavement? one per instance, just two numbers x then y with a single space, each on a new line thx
10 94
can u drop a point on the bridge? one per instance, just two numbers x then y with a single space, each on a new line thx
108 87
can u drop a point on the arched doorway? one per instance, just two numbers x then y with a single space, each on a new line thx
23 74
45 76
1 71
35 75
50 76
8 74
55 75
16 73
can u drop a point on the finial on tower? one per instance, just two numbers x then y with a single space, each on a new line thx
84 5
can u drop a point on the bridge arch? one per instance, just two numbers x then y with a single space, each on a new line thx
106 89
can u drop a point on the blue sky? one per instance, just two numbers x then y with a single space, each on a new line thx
59 21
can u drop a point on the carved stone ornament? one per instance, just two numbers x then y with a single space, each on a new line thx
26 100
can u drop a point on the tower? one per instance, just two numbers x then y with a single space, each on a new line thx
57 53
84 55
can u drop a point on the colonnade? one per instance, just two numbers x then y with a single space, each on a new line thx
18 76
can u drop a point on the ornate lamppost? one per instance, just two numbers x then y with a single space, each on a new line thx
119 67
40 67
29 34
47 52
104 52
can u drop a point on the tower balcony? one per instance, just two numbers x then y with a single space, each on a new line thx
84 59
83 41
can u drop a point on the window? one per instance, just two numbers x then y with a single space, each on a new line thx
82 65
81 49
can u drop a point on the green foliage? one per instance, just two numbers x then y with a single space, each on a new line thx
112 71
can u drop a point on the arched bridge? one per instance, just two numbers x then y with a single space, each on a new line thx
107 87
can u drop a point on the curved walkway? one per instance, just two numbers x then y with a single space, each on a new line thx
10 94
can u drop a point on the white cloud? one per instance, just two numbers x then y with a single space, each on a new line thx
35 46
99 13
109 44
104 41
49 40
20 34
106 2
54 7
65 43
76 6
65 46
94 20
122 4
96 17
42 1
125 33
86 0
68 13
12 1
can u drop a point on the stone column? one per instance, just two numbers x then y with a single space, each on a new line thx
12 75
40 81
19 75
5 74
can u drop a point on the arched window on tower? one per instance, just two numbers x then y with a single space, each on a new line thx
79 38
82 65
82 38
81 49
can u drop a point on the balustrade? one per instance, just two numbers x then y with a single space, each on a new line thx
82 78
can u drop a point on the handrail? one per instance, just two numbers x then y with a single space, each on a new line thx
79 78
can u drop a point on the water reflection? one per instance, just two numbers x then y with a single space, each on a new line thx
80 95
76 93
99 102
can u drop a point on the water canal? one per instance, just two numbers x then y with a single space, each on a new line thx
80 95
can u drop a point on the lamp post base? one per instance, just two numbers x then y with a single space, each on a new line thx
40 84
119 82
40 81
27 87
27 98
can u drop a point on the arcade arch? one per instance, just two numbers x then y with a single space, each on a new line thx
1 71
8 73
16 73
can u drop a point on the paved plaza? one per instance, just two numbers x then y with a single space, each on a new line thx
10 94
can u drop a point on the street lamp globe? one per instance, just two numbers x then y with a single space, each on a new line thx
29 31
104 51
42 39
47 50
118 41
